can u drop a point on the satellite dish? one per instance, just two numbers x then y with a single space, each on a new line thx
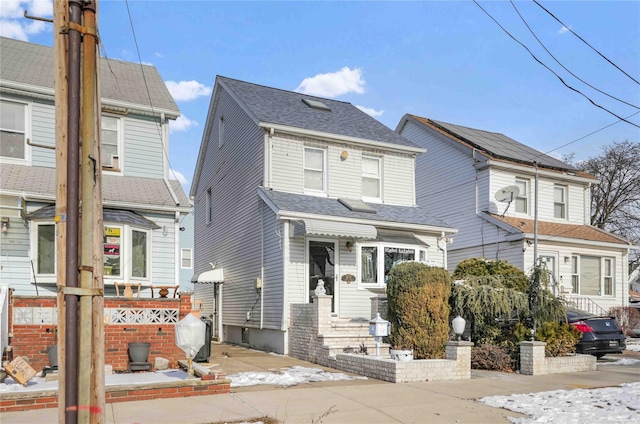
507 194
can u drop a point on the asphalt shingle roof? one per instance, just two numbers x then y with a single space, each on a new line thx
582 232
38 180
275 106
121 81
289 202
496 144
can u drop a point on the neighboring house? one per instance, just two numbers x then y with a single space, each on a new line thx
291 189
142 206
467 177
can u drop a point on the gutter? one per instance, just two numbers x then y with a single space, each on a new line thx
529 170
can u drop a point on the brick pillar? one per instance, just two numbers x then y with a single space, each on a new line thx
322 304
185 304
461 353
532 358
379 304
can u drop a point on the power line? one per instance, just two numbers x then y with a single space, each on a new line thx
551 70
564 67
583 40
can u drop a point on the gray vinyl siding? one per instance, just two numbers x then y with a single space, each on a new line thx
43 131
273 279
287 164
297 272
205 294
232 240
143 155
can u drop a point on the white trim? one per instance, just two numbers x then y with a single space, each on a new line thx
379 178
28 133
312 191
33 252
113 169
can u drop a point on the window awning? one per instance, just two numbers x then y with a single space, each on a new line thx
211 276
108 215
317 227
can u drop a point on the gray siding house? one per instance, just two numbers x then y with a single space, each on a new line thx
291 190
142 205
464 177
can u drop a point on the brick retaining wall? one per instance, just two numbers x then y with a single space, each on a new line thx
534 362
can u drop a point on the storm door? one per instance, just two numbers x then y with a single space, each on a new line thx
322 266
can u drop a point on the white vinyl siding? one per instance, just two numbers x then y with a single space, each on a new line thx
398 179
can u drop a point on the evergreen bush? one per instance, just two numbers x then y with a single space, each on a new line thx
418 297
561 338
509 275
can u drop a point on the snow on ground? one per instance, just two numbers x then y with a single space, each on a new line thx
633 347
623 361
609 404
288 377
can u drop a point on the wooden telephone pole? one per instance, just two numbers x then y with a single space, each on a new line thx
79 214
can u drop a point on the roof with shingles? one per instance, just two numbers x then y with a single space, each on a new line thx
32 64
149 192
497 145
282 107
300 203
555 229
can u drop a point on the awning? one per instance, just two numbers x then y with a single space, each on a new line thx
108 215
317 227
211 276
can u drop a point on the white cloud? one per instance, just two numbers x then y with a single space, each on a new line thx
187 90
13 24
334 84
173 174
563 30
370 111
181 124
159 55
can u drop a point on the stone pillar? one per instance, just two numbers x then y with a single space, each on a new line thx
322 303
532 360
461 353
379 304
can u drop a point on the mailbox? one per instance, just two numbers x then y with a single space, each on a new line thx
378 327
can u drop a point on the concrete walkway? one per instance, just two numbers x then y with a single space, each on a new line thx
357 401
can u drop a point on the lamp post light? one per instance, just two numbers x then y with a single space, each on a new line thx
458 324
378 328
190 337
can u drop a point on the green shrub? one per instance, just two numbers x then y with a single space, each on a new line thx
560 338
492 358
511 276
418 296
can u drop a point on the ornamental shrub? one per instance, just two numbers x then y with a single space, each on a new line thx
627 317
418 297
510 276
492 358
560 338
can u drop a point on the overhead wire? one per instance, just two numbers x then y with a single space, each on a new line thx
564 67
551 70
585 42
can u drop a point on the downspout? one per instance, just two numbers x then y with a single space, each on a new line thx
444 250
165 149
176 242
261 267
535 218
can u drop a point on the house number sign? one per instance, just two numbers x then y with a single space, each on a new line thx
349 278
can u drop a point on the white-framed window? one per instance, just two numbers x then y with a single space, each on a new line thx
522 201
209 206
126 253
111 142
371 178
221 132
186 258
560 202
375 260
14 131
43 249
314 165
592 275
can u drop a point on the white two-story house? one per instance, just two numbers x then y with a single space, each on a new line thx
291 189
143 205
468 178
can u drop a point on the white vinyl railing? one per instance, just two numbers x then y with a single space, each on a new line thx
4 317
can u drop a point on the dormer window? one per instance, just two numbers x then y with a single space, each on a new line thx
314 170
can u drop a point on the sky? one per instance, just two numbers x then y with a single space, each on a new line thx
448 61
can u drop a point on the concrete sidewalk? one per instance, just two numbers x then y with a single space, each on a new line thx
358 401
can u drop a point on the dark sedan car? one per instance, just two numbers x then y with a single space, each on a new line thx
600 334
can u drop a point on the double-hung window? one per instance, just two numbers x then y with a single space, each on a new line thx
522 201
110 153
560 202
592 275
126 253
371 178
13 130
186 256
377 259
314 170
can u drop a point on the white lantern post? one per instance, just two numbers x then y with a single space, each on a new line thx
378 328
190 337
458 324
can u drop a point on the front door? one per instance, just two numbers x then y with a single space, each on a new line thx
550 262
322 266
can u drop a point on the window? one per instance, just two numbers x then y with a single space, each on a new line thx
13 135
522 201
374 272
221 132
209 207
592 276
46 250
314 170
186 256
371 181
110 142
126 253
559 202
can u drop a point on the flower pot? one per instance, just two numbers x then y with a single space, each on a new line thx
139 351
401 355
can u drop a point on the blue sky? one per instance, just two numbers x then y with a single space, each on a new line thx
442 60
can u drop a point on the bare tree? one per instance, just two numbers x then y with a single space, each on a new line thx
615 202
